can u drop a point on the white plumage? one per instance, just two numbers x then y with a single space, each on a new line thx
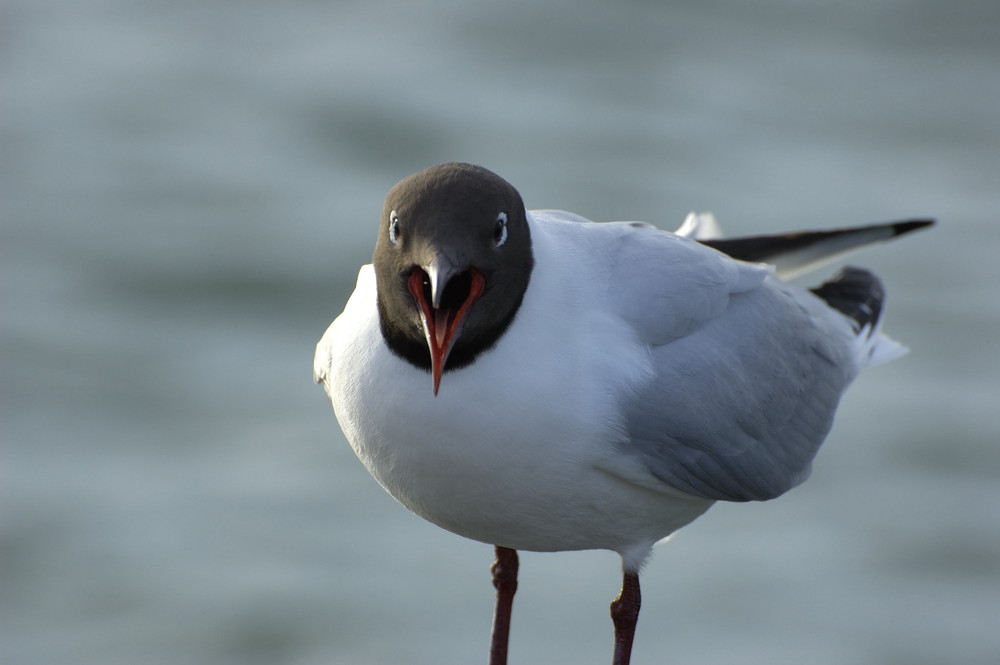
644 377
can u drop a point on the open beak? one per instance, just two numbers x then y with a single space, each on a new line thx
444 294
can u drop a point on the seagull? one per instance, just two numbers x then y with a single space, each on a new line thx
537 381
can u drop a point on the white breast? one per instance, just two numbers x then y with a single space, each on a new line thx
521 448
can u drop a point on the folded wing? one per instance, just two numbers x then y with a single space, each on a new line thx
747 370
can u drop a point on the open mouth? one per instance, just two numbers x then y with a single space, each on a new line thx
442 323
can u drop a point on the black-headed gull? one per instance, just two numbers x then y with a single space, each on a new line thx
537 381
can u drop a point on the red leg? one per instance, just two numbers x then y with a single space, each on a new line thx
504 571
625 614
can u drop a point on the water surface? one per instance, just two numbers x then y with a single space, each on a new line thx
189 189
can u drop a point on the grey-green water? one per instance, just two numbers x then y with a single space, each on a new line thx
188 189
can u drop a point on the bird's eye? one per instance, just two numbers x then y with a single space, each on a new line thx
393 227
500 230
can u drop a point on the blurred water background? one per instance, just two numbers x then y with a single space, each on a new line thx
188 189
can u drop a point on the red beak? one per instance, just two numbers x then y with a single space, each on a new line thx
442 316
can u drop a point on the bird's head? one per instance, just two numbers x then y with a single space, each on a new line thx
452 263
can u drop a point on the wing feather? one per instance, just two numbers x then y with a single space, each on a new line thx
667 286
737 409
745 371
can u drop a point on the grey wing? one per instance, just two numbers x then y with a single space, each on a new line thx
738 409
667 286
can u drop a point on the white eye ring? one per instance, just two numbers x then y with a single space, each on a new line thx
500 230
393 227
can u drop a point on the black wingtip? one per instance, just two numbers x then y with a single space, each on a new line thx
763 248
908 225
857 294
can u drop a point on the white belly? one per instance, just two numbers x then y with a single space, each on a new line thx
519 449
